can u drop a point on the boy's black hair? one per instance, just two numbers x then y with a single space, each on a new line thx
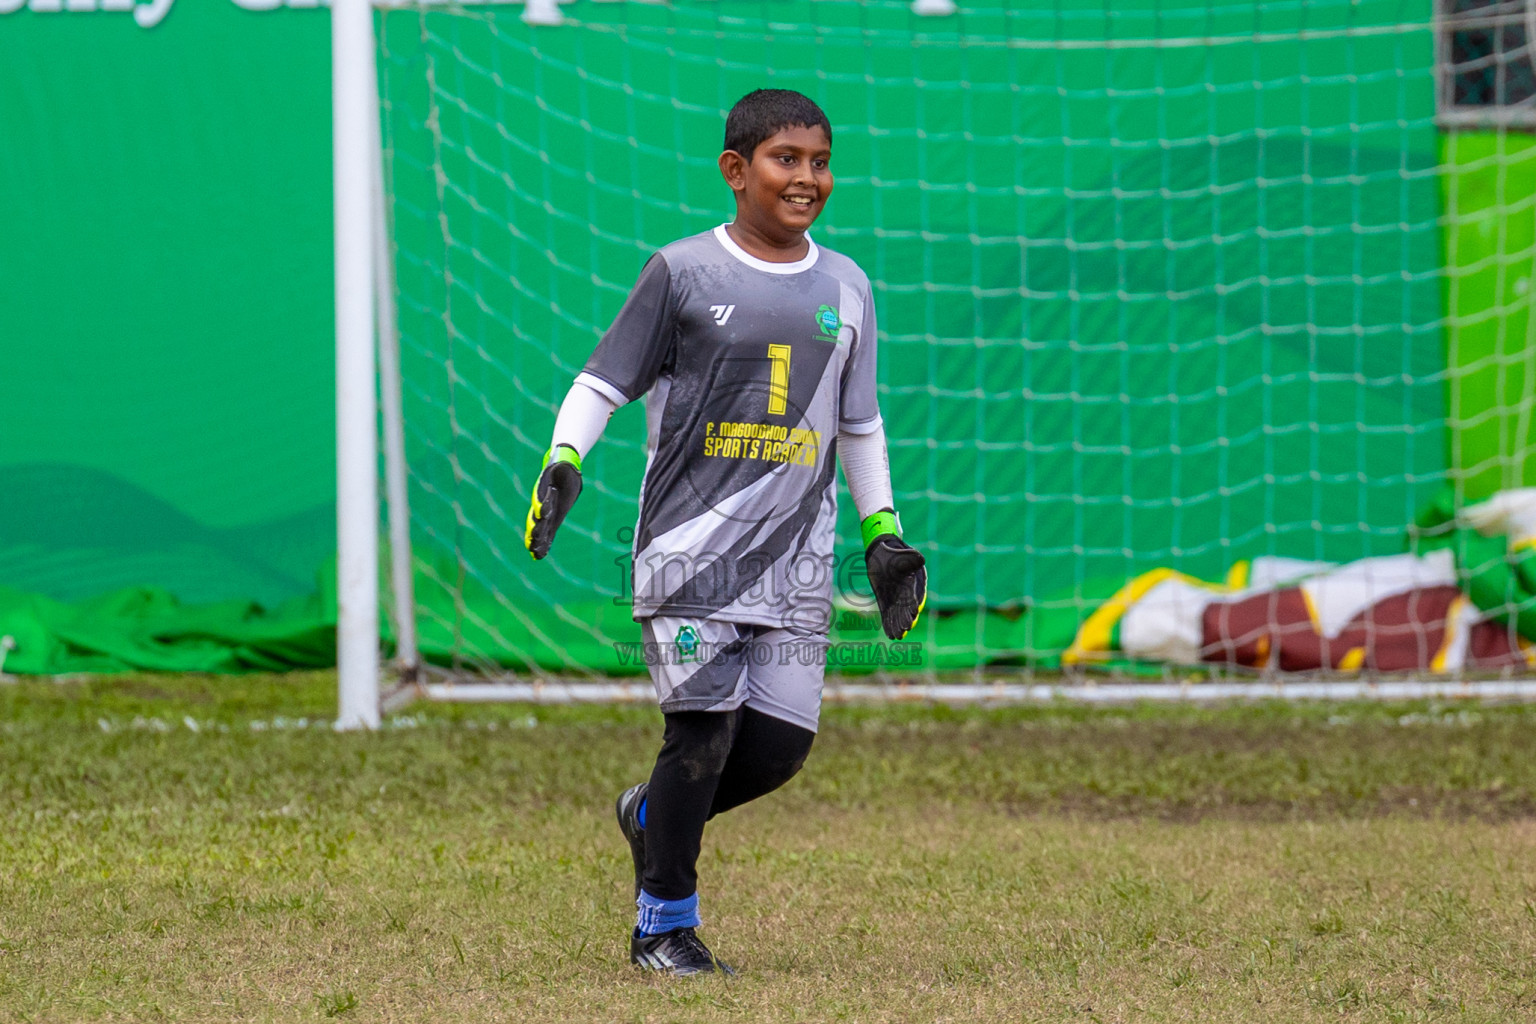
761 113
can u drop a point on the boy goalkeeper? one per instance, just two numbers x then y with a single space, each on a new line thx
755 349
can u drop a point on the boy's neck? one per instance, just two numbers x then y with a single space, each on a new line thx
754 243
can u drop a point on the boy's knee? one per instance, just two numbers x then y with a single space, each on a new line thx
787 768
707 759
700 741
791 747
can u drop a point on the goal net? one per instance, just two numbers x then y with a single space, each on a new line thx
1160 285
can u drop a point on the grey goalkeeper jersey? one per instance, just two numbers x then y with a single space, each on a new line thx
750 370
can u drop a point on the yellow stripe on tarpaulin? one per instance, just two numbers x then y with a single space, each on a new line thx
1093 636
1312 616
1452 619
1237 576
1262 649
1352 660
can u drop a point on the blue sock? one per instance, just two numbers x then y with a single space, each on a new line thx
641 813
658 916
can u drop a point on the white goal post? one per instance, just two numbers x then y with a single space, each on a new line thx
358 192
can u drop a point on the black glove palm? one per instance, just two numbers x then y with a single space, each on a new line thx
557 490
900 581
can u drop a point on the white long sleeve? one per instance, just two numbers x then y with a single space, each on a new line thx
583 415
867 468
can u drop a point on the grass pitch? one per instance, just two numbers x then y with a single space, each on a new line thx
206 850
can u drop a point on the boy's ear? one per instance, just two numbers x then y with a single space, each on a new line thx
733 168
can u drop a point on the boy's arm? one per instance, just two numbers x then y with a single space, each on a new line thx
583 415
897 573
867 469
896 570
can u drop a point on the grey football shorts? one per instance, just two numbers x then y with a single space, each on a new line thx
698 665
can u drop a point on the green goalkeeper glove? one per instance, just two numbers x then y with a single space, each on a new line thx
896 573
558 487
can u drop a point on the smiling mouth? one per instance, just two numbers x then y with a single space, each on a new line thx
804 202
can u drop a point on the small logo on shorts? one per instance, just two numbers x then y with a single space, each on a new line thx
828 320
687 643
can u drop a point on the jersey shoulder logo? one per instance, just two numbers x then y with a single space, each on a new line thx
721 313
829 322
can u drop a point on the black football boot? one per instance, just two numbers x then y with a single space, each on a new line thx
628 810
678 953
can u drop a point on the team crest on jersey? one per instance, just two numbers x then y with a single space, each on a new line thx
687 643
829 322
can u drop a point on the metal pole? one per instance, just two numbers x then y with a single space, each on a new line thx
353 104
396 497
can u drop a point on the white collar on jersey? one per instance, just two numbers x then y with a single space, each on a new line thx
805 262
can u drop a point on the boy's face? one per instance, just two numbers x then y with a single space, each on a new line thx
781 191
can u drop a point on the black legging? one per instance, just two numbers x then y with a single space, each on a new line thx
710 761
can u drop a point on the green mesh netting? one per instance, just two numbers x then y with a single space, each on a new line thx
1160 287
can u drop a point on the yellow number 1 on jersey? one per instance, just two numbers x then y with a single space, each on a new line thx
778 379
